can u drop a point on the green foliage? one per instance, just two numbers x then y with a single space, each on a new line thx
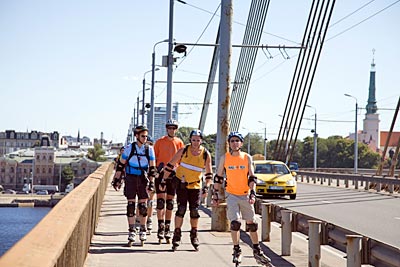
67 174
96 153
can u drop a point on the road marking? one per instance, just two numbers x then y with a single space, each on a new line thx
326 202
397 218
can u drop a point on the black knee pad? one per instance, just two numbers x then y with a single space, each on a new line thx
252 227
160 203
235 225
170 204
181 211
130 209
194 214
142 209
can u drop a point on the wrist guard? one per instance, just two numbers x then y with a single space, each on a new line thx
205 189
218 179
116 183
252 179
120 167
169 167
152 171
252 194
208 176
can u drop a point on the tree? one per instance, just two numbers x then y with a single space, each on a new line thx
96 153
67 175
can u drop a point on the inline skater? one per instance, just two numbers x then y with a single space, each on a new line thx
165 148
192 160
240 196
139 161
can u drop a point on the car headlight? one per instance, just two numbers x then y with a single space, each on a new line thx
260 182
291 182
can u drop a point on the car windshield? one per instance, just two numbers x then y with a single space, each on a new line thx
268 168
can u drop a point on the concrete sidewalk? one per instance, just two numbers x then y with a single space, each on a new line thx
109 244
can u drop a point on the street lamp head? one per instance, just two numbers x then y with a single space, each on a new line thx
180 48
348 95
156 69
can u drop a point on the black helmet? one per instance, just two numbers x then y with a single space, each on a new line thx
196 133
140 128
235 134
172 122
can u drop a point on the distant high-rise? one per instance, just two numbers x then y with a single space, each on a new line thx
160 119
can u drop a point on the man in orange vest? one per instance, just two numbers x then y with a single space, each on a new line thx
240 196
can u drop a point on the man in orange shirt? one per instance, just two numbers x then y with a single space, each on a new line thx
165 148
240 196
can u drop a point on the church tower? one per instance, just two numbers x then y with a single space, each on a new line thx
370 134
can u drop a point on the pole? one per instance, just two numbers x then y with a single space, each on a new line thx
356 144
315 140
143 95
265 142
224 93
137 111
153 63
170 60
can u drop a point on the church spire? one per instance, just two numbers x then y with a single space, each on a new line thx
371 106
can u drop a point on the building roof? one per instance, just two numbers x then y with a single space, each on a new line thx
394 138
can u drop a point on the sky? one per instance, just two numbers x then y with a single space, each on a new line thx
76 65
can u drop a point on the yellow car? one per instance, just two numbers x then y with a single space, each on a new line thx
274 179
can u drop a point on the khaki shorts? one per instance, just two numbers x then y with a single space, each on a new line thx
239 205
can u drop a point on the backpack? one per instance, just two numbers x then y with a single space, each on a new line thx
133 152
205 154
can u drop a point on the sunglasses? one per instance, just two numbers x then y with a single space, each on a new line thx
234 140
144 136
172 128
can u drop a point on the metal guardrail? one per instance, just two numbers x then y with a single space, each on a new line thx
62 238
372 251
378 183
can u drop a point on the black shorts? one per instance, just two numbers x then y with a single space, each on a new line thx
136 185
184 195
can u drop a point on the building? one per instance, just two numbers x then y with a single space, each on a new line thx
160 119
44 164
11 141
370 133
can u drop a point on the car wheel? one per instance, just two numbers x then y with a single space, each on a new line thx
293 196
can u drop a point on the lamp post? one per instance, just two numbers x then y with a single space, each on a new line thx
265 138
315 136
143 92
355 136
153 70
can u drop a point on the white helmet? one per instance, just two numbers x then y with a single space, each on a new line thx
172 122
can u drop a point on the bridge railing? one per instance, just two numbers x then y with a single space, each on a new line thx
378 183
62 237
371 251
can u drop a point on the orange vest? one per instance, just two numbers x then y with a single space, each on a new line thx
237 171
190 168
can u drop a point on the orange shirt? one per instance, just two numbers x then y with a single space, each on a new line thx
165 149
237 171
